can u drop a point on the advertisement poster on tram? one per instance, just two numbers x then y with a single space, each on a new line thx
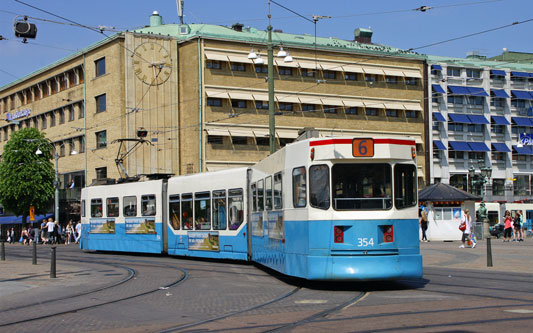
257 224
102 226
275 225
203 241
140 225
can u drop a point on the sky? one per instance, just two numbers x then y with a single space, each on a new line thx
394 23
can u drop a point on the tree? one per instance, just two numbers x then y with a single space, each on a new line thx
26 179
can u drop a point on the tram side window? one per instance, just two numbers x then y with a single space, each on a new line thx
219 210
83 208
268 193
96 207
278 198
186 211
236 208
319 186
299 186
112 207
405 185
129 206
174 211
361 186
202 211
254 197
148 205
260 196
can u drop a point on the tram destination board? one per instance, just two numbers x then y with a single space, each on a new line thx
363 147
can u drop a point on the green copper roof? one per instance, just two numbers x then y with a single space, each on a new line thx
511 56
473 62
253 35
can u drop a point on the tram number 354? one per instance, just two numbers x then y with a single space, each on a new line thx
364 242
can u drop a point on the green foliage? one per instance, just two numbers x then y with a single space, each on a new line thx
26 179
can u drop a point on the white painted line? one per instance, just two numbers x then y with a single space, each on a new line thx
311 301
519 311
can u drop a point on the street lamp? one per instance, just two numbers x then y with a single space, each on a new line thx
56 157
486 173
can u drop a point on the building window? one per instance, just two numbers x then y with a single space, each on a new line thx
520 129
371 77
285 106
498 156
330 109
497 102
458 155
475 128
411 81
473 73
35 122
214 101
392 113
457 127
475 100
71 113
262 141
238 67
521 185
238 103
61 116
350 110
309 107
213 64
459 181
101 173
497 129
71 146
285 70
52 119
62 149
455 99
518 103
411 114
329 74
350 76
215 139
391 79
101 139
81 145
239 140
261 105
453 71
100 66
476 156
261 69
82 110
371 111
308 72
498 187
6 136
100 103
43 122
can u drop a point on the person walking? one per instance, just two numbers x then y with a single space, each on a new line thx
50 229
69 232
508 226
36 233
44 232
521 230
25 237
78 232
424 225
467 221
516 227
11 236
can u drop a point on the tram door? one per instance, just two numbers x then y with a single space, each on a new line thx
529 219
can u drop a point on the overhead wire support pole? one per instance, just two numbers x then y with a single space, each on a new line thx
271 118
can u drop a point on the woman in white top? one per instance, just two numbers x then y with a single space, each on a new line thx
467 220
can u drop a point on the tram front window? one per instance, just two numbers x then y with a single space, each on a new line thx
361 186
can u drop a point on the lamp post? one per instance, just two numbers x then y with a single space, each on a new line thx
486 173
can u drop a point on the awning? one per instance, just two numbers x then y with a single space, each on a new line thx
497 72
438 89
477 91
478 146
460 146
521 94
459 118
413 73
332 101
261 133
352 69
436 67
374 104
281 63
329 66
286 134
240 95
371 70
238 58
478 119
309 100
393 72
438 116
260 96
439 145
459 90
217 131
308 64
499 93
353 103
394 106
519 74
412 106
216 56
216 93
525 150
500 120
501 147
18 219
287 98
522 121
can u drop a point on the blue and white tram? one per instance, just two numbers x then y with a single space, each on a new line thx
320 209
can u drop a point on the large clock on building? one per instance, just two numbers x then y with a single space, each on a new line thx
152 63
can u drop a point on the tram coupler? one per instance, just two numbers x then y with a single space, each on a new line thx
34 254
53 263
489 253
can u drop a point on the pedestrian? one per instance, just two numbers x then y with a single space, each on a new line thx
508 228
516 227
44 232
424 225
11 236
69 232
50 231
56 233
78 232
521 230
24 235
36 233
467 221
